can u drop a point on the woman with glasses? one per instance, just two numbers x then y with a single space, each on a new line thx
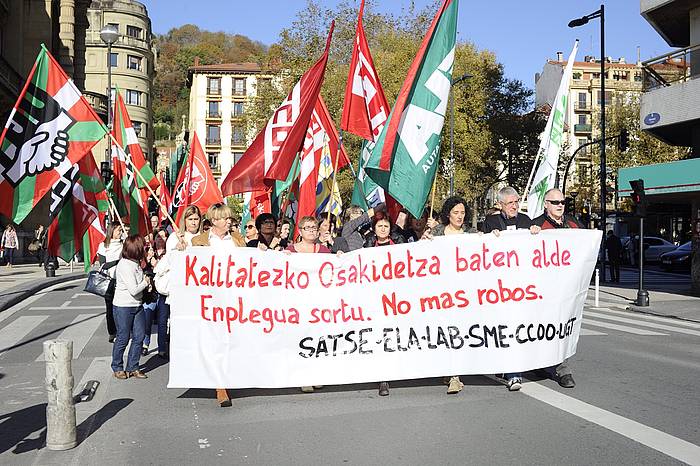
454 211
308 229
327 234
267 239
219 234
383 233
251 233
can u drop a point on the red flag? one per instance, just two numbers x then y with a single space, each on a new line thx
195 184
165 198
321 132
259 203
365 109
274 149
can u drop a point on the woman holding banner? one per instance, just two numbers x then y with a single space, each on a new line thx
220 217
452 215
308 229
383 233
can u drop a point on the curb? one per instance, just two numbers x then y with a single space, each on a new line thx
649 310
19 293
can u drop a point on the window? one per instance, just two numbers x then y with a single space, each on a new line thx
581 142
236 157
213 159
237 109
638 77
582 97
237 135
114 25
577 76
608 97
133 62
133 31
582 119
113 60
213 134
238 86
133 97
214 86
213 110
139 128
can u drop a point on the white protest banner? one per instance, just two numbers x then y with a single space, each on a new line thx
463 304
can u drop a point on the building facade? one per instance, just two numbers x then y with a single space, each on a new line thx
622 80
132 63
219 95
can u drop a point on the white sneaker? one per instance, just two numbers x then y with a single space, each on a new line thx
455 385
514 384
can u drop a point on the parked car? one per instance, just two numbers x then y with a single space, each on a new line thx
679 259
654 247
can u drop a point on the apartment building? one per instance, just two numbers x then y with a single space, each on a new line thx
218 98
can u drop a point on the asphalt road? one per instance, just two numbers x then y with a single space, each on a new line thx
635 403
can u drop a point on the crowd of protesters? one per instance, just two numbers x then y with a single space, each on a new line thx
138 297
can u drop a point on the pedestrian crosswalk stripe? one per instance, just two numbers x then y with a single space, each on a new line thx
589 332
643 323
71 308
621 328
79 331
15 331
655 318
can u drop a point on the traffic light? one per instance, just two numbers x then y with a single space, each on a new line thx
639 198
623 141
569 205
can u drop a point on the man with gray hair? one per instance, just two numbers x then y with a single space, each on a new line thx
509 219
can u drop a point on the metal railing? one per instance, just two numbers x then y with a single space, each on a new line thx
213 91
213 142
215 115
582 106
677 66
12 79
580 128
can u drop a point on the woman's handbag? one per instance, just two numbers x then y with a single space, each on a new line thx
34 246
99 282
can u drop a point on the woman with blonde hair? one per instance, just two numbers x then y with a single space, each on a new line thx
190 224
220 217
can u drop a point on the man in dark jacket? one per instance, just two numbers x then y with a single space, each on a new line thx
555 217
509 219
613 246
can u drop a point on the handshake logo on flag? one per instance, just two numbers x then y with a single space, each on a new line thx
37 137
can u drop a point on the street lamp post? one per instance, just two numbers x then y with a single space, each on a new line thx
109 35
452 132
603 169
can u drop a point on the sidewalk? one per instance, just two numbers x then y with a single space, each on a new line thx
23 280
681 306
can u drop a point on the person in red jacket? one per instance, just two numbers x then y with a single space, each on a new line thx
555 217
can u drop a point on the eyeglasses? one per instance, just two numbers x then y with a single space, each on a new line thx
249 227
555 201
310 228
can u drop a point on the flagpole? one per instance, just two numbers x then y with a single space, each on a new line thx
297 167
138 173
115 211
432 196
335 172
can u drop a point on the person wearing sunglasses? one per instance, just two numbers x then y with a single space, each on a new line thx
251 233
555 217
266 224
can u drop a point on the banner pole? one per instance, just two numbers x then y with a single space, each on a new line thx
138 173
432 195
335 172
115 211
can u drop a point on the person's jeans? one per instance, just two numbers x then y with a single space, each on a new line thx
10 255
130 325
109 314
160 311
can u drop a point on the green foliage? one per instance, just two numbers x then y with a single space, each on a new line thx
236 206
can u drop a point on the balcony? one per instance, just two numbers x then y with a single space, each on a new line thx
213 142
212 91
582 129
670 102
582 106
213 115
98 102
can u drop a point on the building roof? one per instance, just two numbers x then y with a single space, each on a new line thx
226 68
595 64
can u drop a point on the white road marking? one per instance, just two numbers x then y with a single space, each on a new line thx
655 318
77 295
644 324
588 332
633 430
621 328
55 308
13 333
24 303
80 331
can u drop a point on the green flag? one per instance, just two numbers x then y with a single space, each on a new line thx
407 153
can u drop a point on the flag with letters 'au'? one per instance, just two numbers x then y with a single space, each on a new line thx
51 128
407 152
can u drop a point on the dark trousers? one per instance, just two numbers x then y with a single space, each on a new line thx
109 315
614 270
10 255
131 325
160 312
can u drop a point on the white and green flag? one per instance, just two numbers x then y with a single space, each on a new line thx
550 143
407 153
